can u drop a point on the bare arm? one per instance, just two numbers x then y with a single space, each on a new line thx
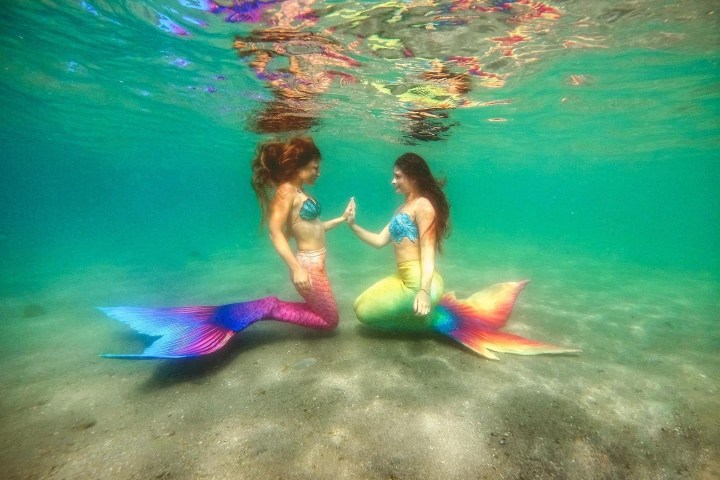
330 224
280 208
377 240
425 215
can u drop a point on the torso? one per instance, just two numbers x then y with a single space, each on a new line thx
304 224
404 227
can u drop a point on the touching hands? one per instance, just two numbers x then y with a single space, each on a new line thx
349 214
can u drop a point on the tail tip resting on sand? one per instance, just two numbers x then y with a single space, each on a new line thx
486 341
475 322
183 332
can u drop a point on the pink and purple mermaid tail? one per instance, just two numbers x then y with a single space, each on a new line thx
199 330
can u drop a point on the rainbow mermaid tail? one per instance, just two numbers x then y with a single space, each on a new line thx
475 322
199 330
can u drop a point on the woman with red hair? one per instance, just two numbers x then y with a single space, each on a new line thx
281 170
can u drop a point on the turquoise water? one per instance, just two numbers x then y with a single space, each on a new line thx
593 170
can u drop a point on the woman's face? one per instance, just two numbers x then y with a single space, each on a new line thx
310 172
401 182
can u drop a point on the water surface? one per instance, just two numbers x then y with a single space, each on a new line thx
584 157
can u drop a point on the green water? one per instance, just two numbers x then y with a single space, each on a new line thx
120 157
125 180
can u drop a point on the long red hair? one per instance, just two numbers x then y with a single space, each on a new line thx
277 162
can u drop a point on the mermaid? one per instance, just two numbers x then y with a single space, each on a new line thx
413 299
280 171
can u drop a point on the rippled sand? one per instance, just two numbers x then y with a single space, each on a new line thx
640 401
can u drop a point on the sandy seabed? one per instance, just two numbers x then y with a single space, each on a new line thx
280 402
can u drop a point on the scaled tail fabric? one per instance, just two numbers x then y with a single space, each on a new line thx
199 330
183 331
475 322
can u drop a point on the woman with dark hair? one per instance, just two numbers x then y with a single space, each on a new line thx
413 298
280 171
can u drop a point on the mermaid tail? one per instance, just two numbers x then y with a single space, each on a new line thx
319 298
475 322
200 330
184 332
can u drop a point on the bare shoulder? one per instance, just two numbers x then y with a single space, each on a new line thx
284 189
285 192
424 207
284 196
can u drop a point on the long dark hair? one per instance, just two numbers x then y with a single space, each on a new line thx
277 162
417 170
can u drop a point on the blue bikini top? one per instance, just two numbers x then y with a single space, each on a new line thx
403 226
310 209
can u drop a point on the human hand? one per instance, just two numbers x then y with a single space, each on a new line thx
349 214
422 303
301 279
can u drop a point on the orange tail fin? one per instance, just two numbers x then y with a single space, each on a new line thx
475 322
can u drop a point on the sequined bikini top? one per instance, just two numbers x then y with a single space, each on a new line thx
310 209
403 226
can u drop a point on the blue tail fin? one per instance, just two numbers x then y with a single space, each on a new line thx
184 331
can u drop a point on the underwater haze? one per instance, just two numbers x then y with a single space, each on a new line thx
582 152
